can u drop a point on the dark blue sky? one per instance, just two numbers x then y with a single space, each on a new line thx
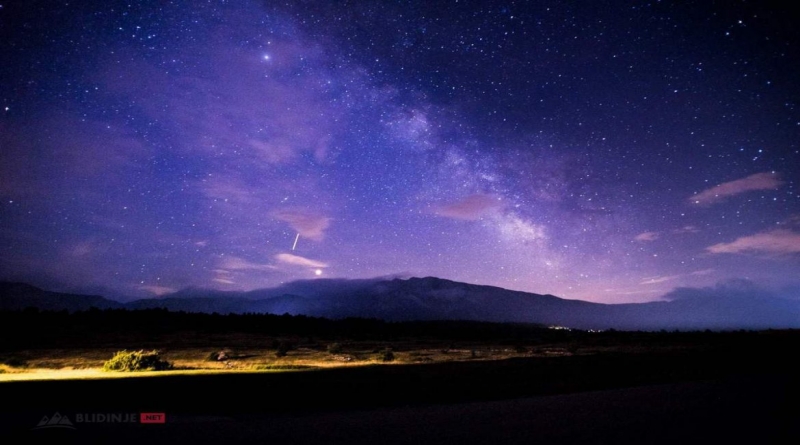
609 151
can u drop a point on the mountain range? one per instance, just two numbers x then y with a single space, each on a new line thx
433 298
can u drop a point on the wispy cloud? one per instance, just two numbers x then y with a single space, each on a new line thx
686 229
232 269
91 150
273 118
702 272
652 236
647 236
236 263
779 241
793 220
308 224
661 279
664 278
472 207
223 276
297 260
758 181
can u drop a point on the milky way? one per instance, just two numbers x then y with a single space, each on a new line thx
610 151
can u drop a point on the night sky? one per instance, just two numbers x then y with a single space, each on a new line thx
607 151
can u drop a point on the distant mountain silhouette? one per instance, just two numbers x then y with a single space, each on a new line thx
16 296
438 299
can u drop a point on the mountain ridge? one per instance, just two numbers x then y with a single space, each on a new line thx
431 298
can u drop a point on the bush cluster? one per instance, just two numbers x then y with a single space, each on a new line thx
136 361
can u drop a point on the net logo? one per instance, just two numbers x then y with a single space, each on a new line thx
153 418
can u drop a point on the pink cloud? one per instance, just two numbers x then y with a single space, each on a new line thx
471 208
647 236
779 241
307 224
297 260
758 181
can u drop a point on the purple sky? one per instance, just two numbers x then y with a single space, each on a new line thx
609 152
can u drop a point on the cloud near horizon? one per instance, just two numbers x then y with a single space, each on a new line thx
732 288
297 260
780 241
758 181
236 263
159 290
659 279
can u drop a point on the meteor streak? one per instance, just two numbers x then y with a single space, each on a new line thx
295 241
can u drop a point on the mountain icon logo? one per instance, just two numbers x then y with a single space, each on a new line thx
55 421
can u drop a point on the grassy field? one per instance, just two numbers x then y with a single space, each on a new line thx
194 353
252 355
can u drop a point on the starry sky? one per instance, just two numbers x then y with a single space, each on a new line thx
611 151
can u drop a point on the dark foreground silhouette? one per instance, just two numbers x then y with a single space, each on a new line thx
665 397
607 387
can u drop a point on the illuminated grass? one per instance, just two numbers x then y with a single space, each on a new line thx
251 356
91 374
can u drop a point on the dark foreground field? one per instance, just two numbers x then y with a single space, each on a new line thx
679 396
449 382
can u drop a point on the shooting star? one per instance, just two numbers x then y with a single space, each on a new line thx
295 241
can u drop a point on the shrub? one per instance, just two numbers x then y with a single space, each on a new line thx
220 356
14 362
136 361
283 348
386 355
